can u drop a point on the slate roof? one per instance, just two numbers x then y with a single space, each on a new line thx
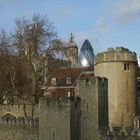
65 72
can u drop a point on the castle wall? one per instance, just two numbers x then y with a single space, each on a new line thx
13 125
19 129
138 97
119 67
18 110
91 91
58 120
75 120
121 134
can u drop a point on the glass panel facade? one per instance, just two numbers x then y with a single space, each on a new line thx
86 54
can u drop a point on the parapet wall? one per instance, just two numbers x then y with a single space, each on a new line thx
118 133
59 102
18 132
19 121
17 110
59 119
117 54
14 126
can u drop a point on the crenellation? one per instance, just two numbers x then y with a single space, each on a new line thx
106 107
119 49
56 102
60 115
118 54
102 107
119 67
19 121
110 49
59 104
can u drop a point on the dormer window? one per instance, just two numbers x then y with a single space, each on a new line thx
54 81
68 80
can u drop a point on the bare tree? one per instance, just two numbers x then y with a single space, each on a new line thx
57 49
35 35
24 58
32 38
7 65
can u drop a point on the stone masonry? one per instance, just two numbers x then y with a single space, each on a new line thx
94 111
59 119
119 67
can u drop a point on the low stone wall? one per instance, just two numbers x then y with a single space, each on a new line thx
19 129
20 121
17 110
18 132
120 134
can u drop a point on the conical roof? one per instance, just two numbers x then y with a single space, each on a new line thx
86 53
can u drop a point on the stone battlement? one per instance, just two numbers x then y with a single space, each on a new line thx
89 81
19 121
9 107
64 102
17 110
118 132
117 54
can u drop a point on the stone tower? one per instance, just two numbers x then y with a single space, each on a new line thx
94 106
119 67
72 52
59 119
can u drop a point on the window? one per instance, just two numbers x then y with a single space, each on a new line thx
54 82
53 134
87 107
126 66
136 123
68 80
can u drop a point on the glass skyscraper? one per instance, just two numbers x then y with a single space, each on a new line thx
86 54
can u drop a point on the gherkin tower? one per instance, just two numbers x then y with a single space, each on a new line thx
86 54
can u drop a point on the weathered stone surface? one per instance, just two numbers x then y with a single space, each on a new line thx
119 67
59 119
94 112
18 132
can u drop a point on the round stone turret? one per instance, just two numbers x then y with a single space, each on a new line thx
119 67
